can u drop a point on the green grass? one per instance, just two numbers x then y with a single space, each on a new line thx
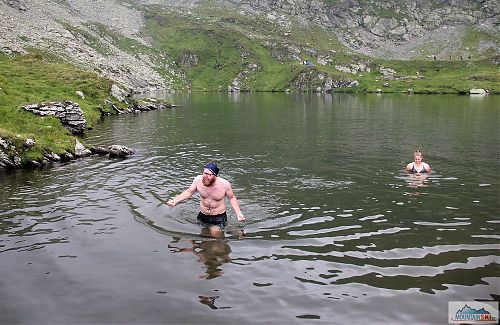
219 43
34 79
444 76
217 51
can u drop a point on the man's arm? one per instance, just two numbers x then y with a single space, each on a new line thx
234 204
184 195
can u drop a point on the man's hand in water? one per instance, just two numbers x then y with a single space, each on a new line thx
241 217
171 203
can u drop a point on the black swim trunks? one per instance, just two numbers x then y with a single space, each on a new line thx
216 220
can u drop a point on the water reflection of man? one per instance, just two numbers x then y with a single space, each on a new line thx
212 253
209 301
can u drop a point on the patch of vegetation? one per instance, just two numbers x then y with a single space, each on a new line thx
35 78
124 43
24 38
227 44
87 38
218 59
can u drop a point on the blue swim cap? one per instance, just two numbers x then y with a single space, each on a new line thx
213 168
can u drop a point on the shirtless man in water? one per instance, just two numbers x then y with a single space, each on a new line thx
213 190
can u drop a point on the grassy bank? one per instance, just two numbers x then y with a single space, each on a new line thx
36 78
432 77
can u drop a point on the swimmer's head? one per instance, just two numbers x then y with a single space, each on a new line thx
212 167
418 156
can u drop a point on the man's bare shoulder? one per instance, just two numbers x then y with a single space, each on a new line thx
224 182
197 179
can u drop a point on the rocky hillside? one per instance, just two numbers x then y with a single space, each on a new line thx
255 45
70 30
393 29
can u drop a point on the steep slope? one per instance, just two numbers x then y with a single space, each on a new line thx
104 36
392 29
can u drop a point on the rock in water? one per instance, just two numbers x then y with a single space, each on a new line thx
117 151
80 150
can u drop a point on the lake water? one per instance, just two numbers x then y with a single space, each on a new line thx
336 232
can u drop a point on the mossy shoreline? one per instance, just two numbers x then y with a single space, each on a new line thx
28 140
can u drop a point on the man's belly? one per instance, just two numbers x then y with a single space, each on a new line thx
212 209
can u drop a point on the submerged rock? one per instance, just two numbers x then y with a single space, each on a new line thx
99 150
117 151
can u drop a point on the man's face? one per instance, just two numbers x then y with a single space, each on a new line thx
208 177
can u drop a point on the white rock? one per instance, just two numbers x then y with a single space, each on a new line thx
478 91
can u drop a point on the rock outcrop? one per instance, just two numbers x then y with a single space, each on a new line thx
70 114
5 160
388 29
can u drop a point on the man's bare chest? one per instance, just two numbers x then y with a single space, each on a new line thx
213 192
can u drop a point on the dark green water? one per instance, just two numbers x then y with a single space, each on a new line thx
336 232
